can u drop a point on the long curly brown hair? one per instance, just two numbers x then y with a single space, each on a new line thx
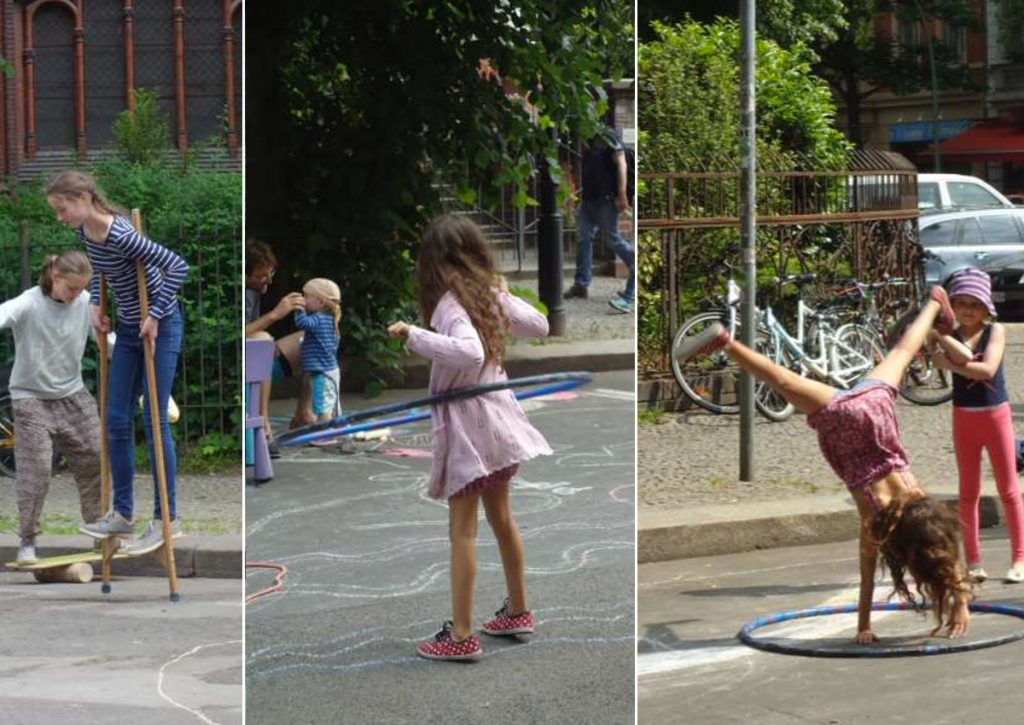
919 535
454 257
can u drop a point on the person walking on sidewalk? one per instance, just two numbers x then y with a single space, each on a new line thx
859 435
113 246
478 443
605 196
51 323
982 419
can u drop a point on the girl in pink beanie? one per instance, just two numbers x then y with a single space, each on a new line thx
981 414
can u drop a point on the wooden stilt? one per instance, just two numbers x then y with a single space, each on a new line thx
154 416
110 544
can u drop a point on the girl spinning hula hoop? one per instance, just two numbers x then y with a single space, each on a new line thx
859 436
478 442
114 247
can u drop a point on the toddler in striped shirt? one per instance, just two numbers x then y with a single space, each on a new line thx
319 349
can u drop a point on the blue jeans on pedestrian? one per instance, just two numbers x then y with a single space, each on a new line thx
601 215
126 382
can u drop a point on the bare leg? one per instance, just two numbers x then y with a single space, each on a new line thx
894 366
513 560
289 348
462 528
805 394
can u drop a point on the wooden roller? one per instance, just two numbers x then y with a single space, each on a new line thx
80 573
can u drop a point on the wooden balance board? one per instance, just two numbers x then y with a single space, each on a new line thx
54 562
71 569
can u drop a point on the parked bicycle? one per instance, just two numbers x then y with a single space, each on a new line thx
712 381
822 347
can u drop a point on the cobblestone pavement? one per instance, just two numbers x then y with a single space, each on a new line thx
693 458
592 318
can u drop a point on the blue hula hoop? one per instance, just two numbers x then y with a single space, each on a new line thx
746 636
344 425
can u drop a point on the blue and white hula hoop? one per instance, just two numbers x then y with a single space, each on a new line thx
747 637
347 424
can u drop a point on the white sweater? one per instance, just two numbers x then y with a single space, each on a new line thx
49 341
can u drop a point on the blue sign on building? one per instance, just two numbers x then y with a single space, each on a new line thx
920 131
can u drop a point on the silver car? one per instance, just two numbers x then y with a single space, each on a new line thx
989 239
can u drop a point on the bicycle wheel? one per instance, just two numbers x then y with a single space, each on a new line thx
923 383
860 349
770 403
710 381
7 467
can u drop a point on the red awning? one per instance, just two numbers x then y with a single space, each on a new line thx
988 141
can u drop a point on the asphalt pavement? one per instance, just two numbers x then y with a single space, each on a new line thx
69 654
691 668
366 554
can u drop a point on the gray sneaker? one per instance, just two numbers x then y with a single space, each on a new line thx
113 524
27 552
152 538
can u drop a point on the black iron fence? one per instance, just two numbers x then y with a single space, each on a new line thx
859 222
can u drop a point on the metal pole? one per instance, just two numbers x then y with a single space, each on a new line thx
748 232
935 89
549 251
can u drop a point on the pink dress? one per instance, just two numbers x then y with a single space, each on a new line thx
477 436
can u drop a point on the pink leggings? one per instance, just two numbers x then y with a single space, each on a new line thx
974 430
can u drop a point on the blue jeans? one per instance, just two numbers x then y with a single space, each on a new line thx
127 375
601 215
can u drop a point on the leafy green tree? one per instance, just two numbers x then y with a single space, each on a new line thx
360 114
6 68
689 102
1010 18
142 135
864 60
784 21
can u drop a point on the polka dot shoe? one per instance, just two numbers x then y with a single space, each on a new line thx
505 624
443 647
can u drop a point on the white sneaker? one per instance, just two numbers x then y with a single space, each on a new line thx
1016 574
976 574
27 553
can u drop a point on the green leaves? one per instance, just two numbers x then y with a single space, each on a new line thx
142 135
436 100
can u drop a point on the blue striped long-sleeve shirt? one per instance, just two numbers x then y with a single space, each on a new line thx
319 349
115 259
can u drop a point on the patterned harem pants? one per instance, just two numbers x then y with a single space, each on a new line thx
74 424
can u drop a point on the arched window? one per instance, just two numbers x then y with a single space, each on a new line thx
236 24
154 54
204 69
53 31
104 69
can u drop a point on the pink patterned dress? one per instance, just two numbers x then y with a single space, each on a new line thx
859 435
474 437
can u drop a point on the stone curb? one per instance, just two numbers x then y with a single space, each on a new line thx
667 534
216 557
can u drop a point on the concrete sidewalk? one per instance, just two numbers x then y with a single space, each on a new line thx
210 507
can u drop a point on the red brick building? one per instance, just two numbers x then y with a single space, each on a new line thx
77 61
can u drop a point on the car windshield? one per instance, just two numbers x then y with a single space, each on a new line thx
966 194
